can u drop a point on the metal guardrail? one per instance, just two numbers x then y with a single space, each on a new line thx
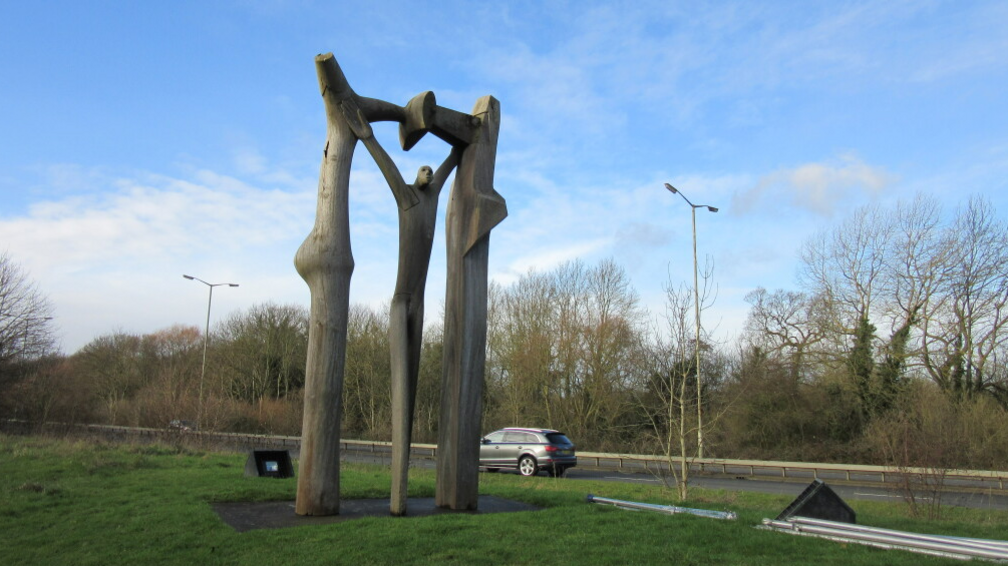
763 469
934 545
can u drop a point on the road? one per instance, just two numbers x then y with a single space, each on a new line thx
992 499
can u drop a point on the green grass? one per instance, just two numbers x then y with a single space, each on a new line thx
65 502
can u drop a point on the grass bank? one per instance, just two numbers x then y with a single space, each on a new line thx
73 502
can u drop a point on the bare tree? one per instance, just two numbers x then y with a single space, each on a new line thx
263 350
965 328
367 396
563 349
670 387
598 324
940 290
521 342
667 393
787 326
569 340
876 269
173 391
917 262
118 368
428 402
25 316
51 390
846 265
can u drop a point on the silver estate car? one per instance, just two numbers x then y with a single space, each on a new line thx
529 450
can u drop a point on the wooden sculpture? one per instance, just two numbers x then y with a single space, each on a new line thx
325 262
474 209
417 220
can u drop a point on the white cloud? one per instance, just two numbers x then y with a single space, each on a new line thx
642 234
150 219
817 187
546 258
115 256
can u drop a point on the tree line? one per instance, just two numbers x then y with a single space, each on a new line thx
891 350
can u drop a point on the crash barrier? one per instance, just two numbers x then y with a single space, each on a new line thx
804 471
757 469
935 545
667 509
821 513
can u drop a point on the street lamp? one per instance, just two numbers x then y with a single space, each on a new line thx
696 316
206 342
27 324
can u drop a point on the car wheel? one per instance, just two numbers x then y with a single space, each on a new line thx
527 466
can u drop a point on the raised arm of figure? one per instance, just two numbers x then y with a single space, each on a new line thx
441 175
404 194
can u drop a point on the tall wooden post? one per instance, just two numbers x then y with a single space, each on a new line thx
325 261
473 210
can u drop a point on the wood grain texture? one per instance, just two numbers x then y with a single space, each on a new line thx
325 262
474 209
417 204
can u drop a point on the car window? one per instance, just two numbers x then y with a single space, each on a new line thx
558 438
495 436
531 439
515 437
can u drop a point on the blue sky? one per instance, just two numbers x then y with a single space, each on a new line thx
140 141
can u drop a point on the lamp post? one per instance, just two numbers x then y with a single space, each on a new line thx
27 325
696 317
206 343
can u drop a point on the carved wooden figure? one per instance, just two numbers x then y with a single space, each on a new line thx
474 209
417 220
326 263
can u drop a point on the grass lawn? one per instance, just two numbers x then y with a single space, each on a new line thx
74 502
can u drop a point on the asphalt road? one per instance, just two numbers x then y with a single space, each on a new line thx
992 499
